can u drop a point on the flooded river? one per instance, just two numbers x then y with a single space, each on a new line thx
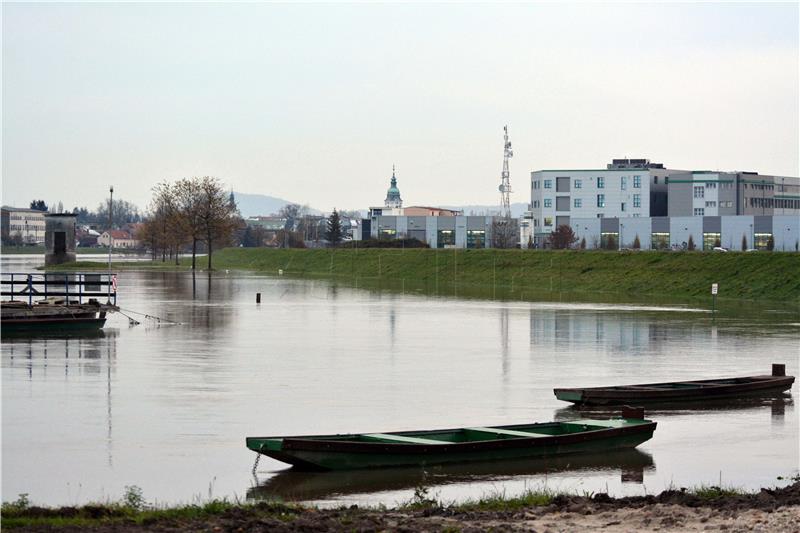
166 406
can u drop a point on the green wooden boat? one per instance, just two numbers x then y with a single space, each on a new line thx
681 391
405 448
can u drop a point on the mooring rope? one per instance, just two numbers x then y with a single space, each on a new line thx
145 315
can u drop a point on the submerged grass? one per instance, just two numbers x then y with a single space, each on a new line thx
521 274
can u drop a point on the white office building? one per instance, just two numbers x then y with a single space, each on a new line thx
625 188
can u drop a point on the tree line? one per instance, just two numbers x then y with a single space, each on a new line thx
123 212
189 213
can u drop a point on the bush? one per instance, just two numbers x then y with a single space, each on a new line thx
636 243
583 243
690 246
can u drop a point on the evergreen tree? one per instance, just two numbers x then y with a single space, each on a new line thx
690 245
38 205
744 242
334 233
637 243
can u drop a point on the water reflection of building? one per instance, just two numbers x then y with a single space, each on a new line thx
630 331
88 358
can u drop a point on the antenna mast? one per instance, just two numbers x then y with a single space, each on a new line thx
505 179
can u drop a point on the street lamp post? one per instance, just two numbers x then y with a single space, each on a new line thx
110 237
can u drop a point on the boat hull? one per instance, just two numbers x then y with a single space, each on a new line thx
344 452
51 324
686 391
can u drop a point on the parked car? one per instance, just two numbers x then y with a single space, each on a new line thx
720 249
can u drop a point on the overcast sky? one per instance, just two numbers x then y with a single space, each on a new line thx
314 103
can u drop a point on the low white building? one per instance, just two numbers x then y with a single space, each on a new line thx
21 224
706 232
118 239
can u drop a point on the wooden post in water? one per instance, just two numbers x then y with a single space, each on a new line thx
258 297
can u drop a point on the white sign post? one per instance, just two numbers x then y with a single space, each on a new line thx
714 290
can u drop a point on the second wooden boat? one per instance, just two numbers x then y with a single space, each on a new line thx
405 448
680 391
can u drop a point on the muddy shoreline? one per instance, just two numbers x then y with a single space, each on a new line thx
673 510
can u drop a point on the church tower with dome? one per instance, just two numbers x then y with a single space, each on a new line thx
393 199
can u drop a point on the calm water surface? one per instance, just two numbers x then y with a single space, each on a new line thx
167 406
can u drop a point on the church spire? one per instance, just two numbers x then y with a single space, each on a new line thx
393 194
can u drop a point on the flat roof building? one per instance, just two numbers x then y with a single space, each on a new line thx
625 188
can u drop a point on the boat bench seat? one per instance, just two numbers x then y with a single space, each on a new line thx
509 432
385 437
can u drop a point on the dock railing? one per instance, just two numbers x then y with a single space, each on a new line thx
74 287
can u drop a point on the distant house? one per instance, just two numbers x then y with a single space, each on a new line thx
120 239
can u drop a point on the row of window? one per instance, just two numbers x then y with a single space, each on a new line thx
26 227
601 202
601 183
777 203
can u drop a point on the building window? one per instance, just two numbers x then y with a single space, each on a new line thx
711 203
601 200
622 207
477 238
609 240
623 182
660 241
548 221
536 204
536 184
699 211
548 202
446 237
637 200
599 215
578 202
601 182
711 185
637 182
761 240
699 192
710 240
655 180
578 184
386 233
548 184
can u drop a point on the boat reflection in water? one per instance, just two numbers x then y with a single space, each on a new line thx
292 485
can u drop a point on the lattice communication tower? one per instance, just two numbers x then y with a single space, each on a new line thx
505 178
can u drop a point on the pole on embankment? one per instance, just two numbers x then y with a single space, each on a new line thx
258 297
714 290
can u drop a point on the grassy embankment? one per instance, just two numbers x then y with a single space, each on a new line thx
520 274
137 512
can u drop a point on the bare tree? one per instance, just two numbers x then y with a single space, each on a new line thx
217 216
505 232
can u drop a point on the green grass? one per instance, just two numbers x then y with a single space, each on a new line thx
500 502
14 515
516 273
713 492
